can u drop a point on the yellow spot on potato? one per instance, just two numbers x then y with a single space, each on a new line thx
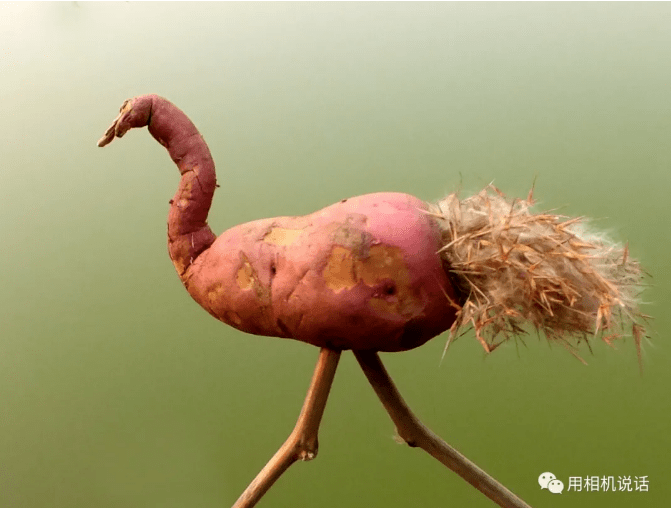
247 279
344 270
245 276
384 262
186 187
384 306
339 271
282 236
214 293
232 317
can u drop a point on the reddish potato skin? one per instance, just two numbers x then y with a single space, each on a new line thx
363 273
188 232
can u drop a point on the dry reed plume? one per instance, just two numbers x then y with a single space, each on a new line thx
512 267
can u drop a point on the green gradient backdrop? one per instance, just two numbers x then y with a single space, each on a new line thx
116 390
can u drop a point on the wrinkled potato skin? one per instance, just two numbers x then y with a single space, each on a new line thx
360 274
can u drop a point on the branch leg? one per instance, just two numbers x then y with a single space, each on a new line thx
302 443
413 431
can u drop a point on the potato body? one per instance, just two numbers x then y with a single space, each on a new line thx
363 273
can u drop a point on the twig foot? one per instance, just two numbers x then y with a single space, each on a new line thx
302 443
413 432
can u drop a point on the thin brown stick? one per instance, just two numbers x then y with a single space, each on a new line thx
413 432
302 443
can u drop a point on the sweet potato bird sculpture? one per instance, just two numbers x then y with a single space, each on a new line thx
387 272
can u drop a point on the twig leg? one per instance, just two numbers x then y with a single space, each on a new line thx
416 434
302 443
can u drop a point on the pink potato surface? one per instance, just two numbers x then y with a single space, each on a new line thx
364 273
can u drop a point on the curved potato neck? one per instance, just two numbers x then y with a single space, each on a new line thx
188 232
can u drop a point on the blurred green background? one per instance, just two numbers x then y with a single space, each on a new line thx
117 390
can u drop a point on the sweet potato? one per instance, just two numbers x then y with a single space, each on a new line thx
387 271
363 273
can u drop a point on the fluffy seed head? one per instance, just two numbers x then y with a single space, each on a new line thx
512 267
